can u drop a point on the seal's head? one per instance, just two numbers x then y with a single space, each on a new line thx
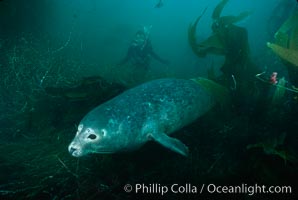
90 140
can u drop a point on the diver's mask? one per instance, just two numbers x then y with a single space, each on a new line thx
142 36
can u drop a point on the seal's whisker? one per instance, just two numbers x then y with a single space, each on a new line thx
67 169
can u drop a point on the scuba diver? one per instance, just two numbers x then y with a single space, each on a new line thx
140 51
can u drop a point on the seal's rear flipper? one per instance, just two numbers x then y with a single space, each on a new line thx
220 93
171 143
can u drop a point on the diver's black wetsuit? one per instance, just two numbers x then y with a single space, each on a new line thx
139 54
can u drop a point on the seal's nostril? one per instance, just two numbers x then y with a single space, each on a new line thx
71 150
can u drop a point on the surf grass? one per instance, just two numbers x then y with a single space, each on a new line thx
42 168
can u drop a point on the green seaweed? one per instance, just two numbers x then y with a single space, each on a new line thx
279 91
286 54
271 147
192 36
293 44
213 44
220 92
289 24
216 43
218 9
227 20
282 39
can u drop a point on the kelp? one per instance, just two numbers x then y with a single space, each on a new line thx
272 147
214 44
230 19
220 92
290 23
285 46
211 72
287 54
242 16
281 39
279 91
282 35
293 44
192 36
218 9
286 40
211 44
226 20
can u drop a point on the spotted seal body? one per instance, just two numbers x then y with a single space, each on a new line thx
151 111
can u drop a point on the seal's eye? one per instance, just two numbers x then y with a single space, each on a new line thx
92 136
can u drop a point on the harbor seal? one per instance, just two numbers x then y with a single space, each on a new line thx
151 111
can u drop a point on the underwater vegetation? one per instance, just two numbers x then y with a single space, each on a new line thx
218 42
239 71
220 92
37 165
249 137
286 46
286 37
271 146
231 41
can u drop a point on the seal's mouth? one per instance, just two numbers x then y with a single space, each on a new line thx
74 151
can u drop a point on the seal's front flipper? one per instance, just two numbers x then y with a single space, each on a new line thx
171 143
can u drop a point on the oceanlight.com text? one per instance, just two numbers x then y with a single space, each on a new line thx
188 188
